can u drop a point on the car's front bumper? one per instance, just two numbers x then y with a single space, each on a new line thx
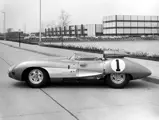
11 72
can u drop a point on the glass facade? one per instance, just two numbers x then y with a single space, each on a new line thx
131 25
115 25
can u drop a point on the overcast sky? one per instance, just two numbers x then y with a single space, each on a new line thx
21 13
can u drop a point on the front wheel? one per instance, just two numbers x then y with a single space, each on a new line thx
117 80
37 78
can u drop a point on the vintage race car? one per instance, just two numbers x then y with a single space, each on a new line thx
113 68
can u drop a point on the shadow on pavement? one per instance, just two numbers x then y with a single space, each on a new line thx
20 84
137 84
89 84
78 85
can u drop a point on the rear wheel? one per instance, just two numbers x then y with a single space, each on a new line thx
37 78
117 80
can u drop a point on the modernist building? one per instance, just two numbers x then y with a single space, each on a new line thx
115 25
130 25
76 30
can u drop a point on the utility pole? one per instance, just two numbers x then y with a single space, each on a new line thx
4 25
40 24
19 37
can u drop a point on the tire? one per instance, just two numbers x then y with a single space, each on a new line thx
117 80
37 78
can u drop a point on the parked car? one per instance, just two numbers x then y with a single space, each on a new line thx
31 36
114 69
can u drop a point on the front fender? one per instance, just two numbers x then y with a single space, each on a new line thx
126 66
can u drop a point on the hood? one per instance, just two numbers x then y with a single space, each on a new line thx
46 59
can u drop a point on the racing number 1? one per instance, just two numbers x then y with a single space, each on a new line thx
117 64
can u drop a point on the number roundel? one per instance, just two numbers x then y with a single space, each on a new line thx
118 65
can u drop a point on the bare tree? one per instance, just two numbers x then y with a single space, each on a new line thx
64 20
9 30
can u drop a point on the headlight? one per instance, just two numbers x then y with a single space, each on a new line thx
11 68
11 72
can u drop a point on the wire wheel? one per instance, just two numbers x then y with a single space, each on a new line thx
117 78
36 76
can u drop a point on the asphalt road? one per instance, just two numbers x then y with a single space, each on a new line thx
72 101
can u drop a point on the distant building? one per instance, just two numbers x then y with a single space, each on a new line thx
37 33
14 35
131 25
76 30
115 25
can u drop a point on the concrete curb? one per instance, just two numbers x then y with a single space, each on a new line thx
152 79
43 53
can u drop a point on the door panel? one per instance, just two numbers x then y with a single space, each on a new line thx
61 72
90 68
69 69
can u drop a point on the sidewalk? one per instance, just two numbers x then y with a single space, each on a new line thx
45 50
55 52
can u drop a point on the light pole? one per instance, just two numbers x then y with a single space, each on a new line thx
19 37
4 25
40 24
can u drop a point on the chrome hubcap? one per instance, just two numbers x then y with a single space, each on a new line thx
36 76
117 78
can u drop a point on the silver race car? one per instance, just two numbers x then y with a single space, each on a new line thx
113 68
